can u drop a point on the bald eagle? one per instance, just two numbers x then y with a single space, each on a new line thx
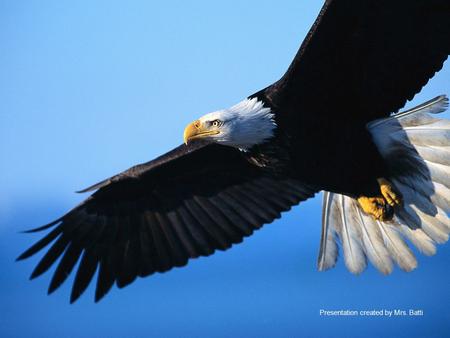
330 123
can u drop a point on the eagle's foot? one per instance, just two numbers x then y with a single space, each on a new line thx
377 207
391 195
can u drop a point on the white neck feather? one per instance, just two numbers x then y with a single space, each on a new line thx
245 124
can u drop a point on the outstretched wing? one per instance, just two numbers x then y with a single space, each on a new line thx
155 216
362 60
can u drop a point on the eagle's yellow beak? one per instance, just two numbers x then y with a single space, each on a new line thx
196 130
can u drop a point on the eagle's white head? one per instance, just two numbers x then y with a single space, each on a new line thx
242 126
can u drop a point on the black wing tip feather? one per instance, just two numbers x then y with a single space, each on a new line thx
22 256
34 275
43 242
98 298
100 295
41 228
75 294
52 288
74 297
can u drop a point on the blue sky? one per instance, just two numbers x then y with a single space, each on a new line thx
88 89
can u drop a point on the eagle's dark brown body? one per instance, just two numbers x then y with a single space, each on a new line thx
339 157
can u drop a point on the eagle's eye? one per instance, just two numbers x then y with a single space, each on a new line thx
216 123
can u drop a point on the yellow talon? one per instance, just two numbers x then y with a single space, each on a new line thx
388 191
377 207
381 207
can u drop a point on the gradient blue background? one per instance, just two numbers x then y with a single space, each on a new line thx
88 89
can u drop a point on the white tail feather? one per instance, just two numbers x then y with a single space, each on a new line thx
439 173
328 252
428 136
439 155
441 197
397 247
425 185
353 252
373 242
417 237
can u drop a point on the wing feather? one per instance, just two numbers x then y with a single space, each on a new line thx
361 60
159 215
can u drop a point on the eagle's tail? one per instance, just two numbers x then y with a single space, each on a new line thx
416 147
